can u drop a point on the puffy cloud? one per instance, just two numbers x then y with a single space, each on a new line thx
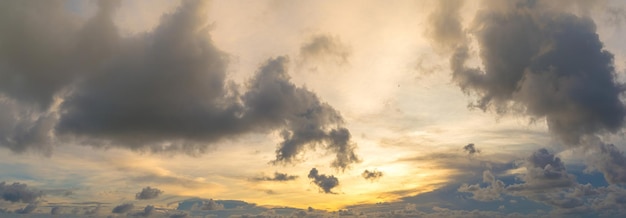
324 182
444 25
610 161
559 69
18 192
281 177
372 175
471 149
325 48
28 209
147 211
544 172
123 208
490 193
148 193
161 90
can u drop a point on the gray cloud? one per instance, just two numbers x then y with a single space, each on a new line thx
148 193
610 161
56 210
471 149
559 69
211 205
281 177
18 192
444 25
325 48
147 211
162 90
123 208
324 182
544 171
372 175
492 192
28 209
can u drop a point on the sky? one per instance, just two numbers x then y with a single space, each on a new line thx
277 108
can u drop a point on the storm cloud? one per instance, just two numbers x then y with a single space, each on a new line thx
543 63
324 182
164 90
123 208
18 192
148 193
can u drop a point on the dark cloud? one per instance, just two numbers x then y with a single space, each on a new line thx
148 193
324 182
273 99
28 209
56 210
162 90
147 211
123 208
18 192
544 171
372 175
611 162
325 48
471 149
281 177
542 63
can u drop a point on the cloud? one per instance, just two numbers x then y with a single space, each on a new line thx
56 210
148 193
281 177
28 209
123 208
559 71
19 192
490 193
610 161
164 90
147 211
444 25
471 149
372 175
324 182
211 205
325 47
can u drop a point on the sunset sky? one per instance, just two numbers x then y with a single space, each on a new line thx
312 108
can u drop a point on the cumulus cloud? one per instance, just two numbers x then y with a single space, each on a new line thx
123 208
28 209
543 63
147 211
610 161
281 177
148 193
471 149
211 205
18 192
324 182
490 193
56 210
325 47
162 90
372 175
